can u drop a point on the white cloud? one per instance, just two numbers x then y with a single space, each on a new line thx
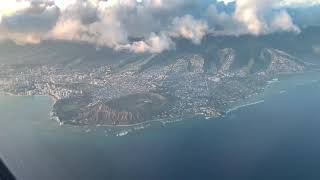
261 17
118 20
64 4
153 44
297 3
287 2
283 22
153 23
189 28
25 21
8 8
226 1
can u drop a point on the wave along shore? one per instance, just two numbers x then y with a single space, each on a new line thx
244 105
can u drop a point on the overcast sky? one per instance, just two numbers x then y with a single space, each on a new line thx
155 23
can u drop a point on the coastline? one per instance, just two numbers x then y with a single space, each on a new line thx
167 120
164 121
11 94
179 119
244 105
254 100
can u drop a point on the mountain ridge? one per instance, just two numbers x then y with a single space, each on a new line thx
105 87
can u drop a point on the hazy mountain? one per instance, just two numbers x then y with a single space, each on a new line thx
304 46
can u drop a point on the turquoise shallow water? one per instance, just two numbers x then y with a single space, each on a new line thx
276 139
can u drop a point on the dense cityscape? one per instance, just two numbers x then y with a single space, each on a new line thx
181 88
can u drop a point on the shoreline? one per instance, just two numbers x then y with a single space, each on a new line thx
165 120
179 119
16 95
168 120
244 105
54 99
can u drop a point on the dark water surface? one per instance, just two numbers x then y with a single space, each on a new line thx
277 139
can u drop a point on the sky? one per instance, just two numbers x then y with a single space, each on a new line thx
154 24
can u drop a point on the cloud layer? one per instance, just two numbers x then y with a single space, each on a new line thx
263 17
140 25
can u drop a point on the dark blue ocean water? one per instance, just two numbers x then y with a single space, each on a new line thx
275 140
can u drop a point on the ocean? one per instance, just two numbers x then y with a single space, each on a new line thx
277 138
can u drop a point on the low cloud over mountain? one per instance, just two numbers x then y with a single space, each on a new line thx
143 25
